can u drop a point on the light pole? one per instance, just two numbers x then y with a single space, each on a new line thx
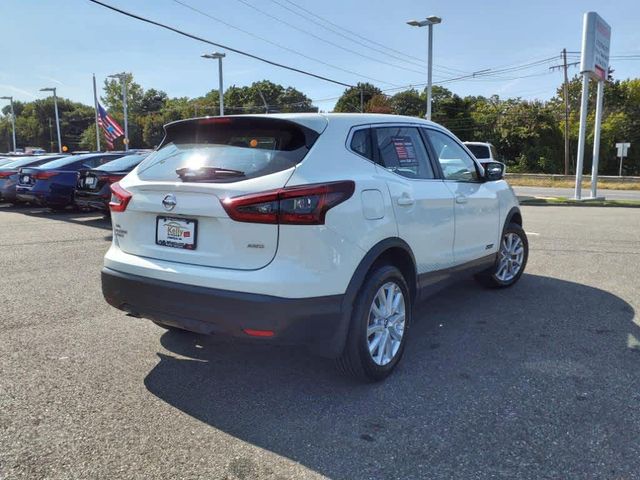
428 22
55 106
13 120
123 81
219 56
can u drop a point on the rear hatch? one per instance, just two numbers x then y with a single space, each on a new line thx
94 180
175 212
26 177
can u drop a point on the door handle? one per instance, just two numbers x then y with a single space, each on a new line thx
405 200
461 199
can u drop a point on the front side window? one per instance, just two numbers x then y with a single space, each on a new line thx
455 162
402 152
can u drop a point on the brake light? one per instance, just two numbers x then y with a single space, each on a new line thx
300 205
120 198
44 175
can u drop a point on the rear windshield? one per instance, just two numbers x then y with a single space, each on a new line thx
31 161
65 161
227 149
479 151
122 164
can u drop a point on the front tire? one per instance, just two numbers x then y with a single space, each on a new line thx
511 259
379 325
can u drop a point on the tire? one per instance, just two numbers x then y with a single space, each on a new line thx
497 276
357 360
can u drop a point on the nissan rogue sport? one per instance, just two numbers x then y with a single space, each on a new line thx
323 230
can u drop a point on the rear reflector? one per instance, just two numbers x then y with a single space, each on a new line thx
258 333
120 198
299 205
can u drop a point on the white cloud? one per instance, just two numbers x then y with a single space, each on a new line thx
14 89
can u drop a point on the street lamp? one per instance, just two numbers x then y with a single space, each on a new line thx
55 105
123 81
219 56
428 22
13 121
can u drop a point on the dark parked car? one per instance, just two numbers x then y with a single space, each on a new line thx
52 184
9 174
94 186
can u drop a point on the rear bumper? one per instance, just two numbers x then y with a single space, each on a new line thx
93 201
315 322
43 199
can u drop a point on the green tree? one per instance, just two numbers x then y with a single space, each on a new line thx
379 104
350 99
408 102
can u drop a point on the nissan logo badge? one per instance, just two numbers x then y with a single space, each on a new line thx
169 202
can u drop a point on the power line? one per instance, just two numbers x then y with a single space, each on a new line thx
310 17
235 50
403 54
262 39
329 42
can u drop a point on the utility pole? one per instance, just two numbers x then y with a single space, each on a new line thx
565 66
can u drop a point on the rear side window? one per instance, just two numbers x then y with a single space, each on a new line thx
227 149
361 143
402 152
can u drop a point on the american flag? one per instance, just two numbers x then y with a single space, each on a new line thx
109 126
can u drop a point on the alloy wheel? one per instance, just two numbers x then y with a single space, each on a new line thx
511 256
386 325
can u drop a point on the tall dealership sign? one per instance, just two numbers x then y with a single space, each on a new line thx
594 64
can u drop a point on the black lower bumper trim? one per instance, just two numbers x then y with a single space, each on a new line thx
306 321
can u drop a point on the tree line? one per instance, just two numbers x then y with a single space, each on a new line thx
528 134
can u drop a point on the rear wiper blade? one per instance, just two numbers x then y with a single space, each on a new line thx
207 173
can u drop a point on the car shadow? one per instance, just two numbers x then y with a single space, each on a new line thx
496 381
87 218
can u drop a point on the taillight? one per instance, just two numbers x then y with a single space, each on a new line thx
44 175
114 178
300 205
6 174
120 198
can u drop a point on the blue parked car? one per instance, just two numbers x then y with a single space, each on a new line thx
9 174
52 184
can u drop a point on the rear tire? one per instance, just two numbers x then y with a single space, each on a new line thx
511 259
379 326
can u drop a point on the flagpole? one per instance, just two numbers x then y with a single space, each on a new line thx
95 104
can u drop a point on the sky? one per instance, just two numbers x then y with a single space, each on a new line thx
60 43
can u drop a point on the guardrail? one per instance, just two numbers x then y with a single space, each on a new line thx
571 178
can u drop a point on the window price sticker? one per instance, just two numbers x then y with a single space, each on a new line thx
405 150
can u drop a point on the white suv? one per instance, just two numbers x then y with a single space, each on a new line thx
483 151
320 230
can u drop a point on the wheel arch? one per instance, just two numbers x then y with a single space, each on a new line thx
393 251
514 216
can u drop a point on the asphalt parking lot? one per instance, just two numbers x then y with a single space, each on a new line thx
541 381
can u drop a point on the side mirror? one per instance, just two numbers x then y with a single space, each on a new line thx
493 171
